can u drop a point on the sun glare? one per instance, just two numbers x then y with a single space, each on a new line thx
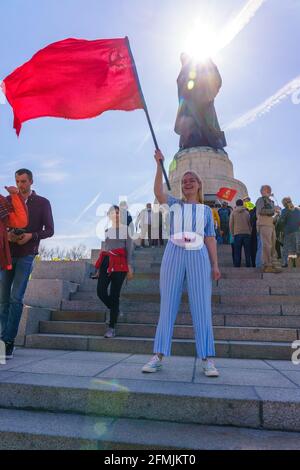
201 43
205 39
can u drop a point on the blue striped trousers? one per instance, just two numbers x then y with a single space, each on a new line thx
194 265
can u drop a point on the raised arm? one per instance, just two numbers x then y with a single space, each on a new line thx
160 195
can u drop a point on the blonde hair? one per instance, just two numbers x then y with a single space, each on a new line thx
200 190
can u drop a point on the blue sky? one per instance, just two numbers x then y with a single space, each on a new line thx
112 155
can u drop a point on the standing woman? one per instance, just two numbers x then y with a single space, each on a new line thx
183 258
114 265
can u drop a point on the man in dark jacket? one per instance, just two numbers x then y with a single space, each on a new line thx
23 249
240 228
224 214
290 222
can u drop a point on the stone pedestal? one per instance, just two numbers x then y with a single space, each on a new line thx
213 167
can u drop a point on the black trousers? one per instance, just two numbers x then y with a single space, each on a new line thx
150 241
253 248
239 242
278 249
225 230
112 299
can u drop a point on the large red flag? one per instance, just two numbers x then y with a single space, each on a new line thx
74 79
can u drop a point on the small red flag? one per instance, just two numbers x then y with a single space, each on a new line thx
226 193
74 79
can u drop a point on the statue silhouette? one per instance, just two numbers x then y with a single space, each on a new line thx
197 121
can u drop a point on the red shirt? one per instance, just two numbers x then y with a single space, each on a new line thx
117 260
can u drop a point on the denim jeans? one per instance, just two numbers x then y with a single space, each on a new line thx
12 290
291 246
259 260
239 242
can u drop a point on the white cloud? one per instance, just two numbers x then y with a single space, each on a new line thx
47 168
51 163
52 176
79 236
87 208
265 107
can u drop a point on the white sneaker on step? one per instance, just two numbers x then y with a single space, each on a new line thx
154 365
209 368
111 333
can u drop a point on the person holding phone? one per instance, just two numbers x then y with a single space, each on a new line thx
23 247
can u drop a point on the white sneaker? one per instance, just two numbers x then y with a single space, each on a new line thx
154 365
209 368
111 333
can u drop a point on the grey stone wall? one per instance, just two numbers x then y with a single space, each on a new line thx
214 169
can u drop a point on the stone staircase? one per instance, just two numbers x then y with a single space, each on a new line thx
71 389
85 400
255 315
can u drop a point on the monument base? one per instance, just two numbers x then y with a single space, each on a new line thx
212 166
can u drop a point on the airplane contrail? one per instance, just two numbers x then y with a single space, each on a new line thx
265 107
87 208
238 23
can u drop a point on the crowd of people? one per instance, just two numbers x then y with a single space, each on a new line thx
193 231
261 230
265 231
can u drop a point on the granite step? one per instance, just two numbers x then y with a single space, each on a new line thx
225 259
153 297
181 347
36 430
180 332
153 288
271 402
263 320
271 321
286 273
252 284
223 299
227 271
154 307
293 284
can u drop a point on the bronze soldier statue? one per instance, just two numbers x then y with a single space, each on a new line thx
197 121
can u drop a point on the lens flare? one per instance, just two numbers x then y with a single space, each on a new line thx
201 43
205 39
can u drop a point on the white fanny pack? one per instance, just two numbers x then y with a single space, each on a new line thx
188 240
